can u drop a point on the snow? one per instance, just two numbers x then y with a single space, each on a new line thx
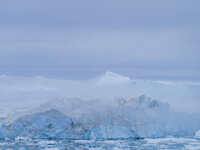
110 78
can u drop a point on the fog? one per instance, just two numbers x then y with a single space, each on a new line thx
31 92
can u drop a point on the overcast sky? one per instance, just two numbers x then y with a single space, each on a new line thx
81 38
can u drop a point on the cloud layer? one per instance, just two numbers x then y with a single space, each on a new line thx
152 39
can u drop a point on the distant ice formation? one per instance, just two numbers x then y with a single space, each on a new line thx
109 106
197 134
110 78
27 92
122 119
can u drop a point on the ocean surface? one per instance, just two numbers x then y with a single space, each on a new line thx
169 143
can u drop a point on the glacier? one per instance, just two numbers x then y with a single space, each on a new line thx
48 124
133 118
108 112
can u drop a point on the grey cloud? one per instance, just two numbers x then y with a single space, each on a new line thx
168 47
88 13
49 37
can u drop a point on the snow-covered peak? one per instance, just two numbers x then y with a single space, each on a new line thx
110 78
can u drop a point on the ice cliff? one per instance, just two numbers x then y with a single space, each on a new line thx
123 118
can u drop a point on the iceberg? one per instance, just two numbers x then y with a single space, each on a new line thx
110 131
48 124
197 134
124 118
